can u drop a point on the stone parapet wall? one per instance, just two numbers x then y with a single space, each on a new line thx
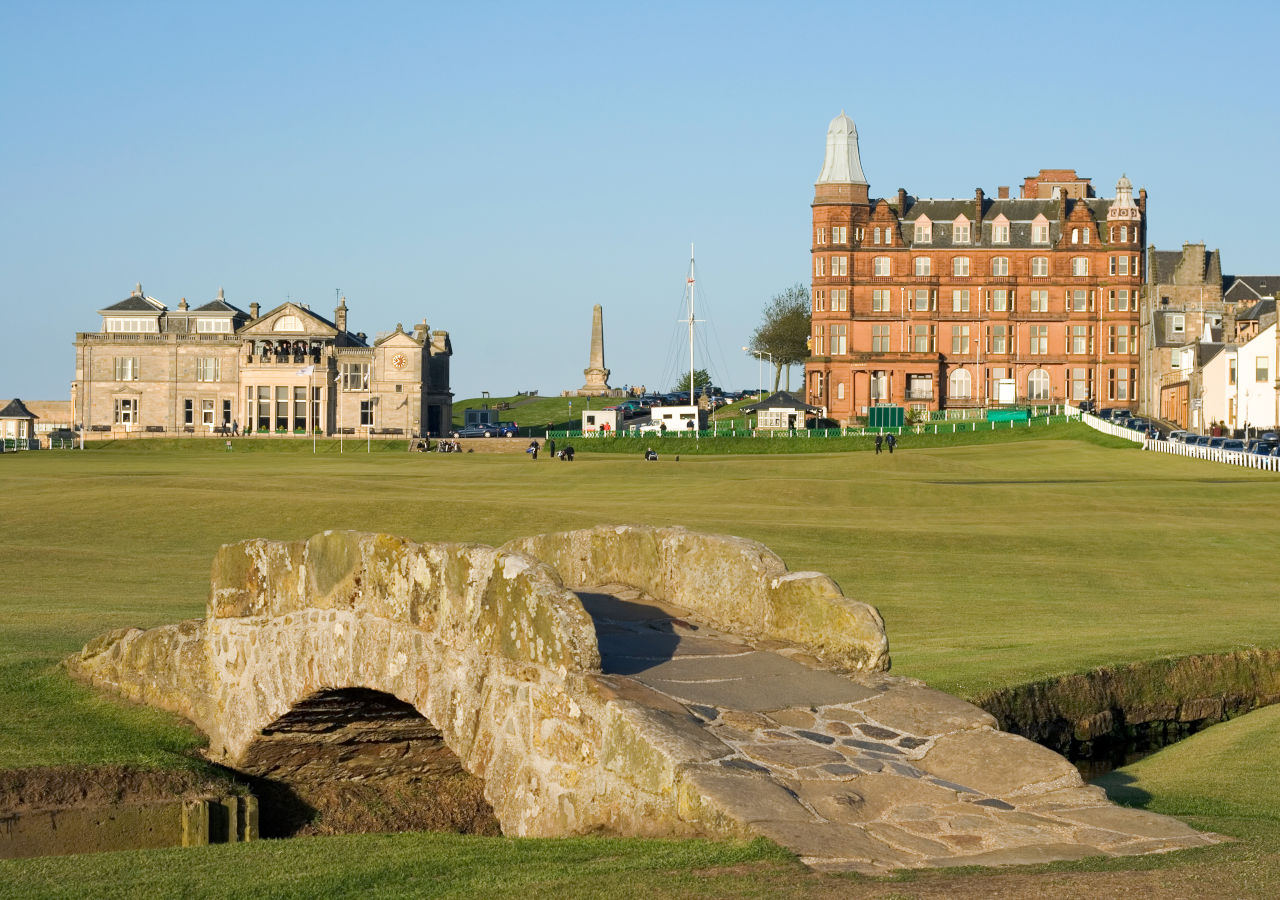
735 584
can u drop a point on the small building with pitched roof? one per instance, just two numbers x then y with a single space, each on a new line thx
781 411
17 425
215 368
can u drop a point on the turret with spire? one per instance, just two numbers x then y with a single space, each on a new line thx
841 178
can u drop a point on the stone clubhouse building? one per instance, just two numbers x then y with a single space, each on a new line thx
214 368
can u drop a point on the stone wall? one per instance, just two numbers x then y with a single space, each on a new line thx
733 583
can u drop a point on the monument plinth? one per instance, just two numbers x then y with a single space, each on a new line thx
597 375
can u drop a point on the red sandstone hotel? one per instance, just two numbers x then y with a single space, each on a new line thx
941 304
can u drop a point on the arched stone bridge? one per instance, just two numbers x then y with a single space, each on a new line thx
627 680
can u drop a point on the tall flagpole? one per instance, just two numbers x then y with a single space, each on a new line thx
311 409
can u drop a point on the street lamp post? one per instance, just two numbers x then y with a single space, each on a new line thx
759 355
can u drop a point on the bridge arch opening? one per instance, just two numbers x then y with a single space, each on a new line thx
347 760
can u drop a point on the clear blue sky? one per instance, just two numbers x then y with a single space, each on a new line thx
497 169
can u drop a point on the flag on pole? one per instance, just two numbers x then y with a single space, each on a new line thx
307 370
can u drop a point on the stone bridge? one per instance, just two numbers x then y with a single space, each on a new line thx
626 680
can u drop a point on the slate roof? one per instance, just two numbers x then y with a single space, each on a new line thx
1246 288
134 303
1162 264
16 409
1020 212
780 400
219 306
1258 310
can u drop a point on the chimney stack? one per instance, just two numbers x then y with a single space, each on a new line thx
1002 192
902 202
253 310
977 216
340 315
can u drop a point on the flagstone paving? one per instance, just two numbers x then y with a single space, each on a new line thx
868 773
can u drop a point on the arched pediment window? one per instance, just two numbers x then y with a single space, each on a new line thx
287 323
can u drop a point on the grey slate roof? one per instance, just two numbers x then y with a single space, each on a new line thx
133 304
781 400
16 409
1020 212
1258 310
1246 288
219 306
1163 264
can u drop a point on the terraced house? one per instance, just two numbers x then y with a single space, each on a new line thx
970 302
152 370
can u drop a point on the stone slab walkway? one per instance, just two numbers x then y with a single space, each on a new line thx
859 773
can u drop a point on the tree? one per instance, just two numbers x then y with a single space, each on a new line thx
783 335
701 378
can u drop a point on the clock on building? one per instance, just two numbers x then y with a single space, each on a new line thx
399 361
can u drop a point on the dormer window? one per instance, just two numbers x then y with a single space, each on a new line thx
877 235
1000 230
960 231
1040 230
1084 236
924 231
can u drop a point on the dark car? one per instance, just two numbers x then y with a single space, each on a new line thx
1200 440
469 431
1215 443
1233 444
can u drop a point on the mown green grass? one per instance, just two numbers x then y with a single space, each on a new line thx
992 564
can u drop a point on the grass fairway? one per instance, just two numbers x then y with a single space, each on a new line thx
992 565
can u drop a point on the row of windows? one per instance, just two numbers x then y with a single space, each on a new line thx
997 300
961 233
922 266
1078 384
1077 339
128 368
151 326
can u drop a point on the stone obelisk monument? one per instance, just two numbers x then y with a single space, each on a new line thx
597 375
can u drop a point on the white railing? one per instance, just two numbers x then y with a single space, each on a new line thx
1230 457
1106 427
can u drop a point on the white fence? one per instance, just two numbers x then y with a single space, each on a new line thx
1106 427
1230 457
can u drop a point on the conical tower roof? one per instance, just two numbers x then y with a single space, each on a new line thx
842 164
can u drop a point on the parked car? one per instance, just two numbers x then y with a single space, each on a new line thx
471 431
1233 444
1180 437
1215 443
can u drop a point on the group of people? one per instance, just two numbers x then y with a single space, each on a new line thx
448 446
882 439
566 454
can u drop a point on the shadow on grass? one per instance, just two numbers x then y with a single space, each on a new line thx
1120 788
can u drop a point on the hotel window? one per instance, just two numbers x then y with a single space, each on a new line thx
960 300
880 300
188 412
924 232
226 411
919 387
1119 265
839 265
1080 342
877 235
1039 234
961 384
206 413
880 265
821 237
999 234
1118 301
1080 386
819 301
819 266
1075 235
921 339
998 339
960 232
879 338
1039 266
839 340
840 234
1079 265
924 266
1039 301
366 413
998 300
1134 268
1078 301
126 410
126 368
208 368
879 386
355 376
1118 381
1039 340
1118 339
1124 234
960 265
1262 369
1038 385
921 301
1000 265
840 300
888 236
1084 236
819 340
959 339
839 390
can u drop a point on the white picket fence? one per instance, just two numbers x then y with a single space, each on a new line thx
1230 457
1106 427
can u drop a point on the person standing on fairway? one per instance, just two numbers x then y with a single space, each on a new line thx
879 443
893 442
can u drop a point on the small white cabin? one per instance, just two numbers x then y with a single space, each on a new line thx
601 421
677 419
